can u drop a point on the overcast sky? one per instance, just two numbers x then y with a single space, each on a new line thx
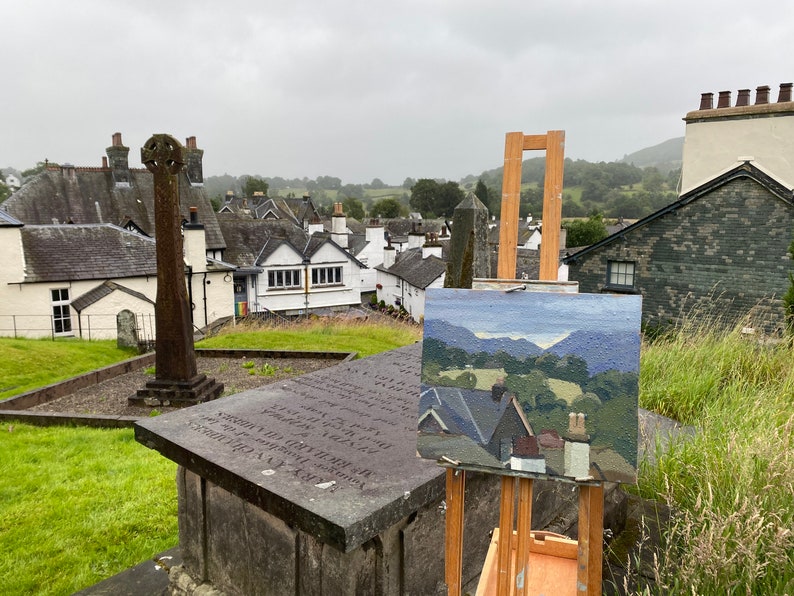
365 89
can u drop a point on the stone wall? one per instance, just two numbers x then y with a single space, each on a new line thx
724 254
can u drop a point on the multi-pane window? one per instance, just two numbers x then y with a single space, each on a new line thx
326 276
620 274
284 279
61 315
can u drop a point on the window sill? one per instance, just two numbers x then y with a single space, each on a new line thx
620 289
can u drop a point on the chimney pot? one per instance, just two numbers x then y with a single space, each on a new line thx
190 142
743 98
762 94
724 100
338 211
117 139
104 162
785 92
706 101
194 215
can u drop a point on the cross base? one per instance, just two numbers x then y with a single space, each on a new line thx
177 394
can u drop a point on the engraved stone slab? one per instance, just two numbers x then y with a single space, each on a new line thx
332 452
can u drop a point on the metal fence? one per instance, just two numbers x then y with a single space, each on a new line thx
83 326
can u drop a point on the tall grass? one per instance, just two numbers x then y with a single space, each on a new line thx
731 488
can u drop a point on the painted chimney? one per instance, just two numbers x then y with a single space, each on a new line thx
339 226
762 94
193 162
724 100
743 98
195 243
118 158
785 92
706 101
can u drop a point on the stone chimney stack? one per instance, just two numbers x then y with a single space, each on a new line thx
389 255
195 243
193 162
118 157
431 246
416 238
339 226
719 138
376 239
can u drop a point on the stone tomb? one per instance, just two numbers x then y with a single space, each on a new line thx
312 486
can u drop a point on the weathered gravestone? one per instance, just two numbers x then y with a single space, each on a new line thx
469 256
126 329
312 486
176 382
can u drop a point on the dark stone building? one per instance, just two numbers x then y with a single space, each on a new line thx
720 250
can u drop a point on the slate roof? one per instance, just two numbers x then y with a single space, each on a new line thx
83 252
744 170
104 289
412 268
317 241
249 240
89 196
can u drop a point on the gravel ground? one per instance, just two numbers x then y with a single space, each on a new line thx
109 398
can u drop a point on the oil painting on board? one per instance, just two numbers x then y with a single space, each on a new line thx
536 384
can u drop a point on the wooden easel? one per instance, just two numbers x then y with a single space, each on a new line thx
507 569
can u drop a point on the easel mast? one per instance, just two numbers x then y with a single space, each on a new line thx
513 569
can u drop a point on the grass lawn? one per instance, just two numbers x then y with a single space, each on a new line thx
365 338
78 505
27 364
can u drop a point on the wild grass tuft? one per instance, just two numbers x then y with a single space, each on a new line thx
732 486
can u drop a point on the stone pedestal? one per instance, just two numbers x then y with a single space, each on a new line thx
160 392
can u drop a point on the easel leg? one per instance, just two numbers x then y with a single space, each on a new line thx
524 528
456 483
504 550
591 531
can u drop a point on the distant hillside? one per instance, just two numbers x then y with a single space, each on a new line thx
665 156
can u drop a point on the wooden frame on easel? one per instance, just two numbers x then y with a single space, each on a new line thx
509 573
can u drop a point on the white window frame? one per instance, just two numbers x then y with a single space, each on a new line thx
61 312
327 276
284 279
